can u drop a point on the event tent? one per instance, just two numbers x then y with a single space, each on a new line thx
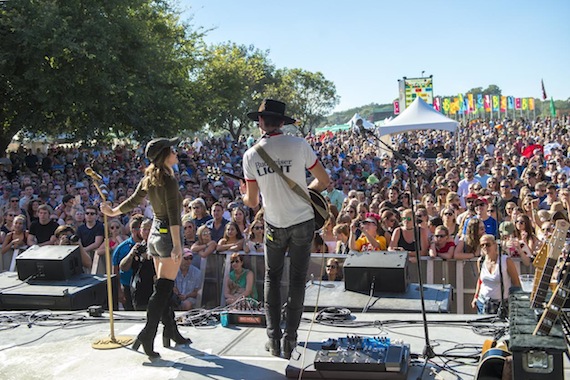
418 116
365 123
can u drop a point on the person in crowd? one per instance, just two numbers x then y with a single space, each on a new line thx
232 239
42 231
481 212
32 210
116 237
65 235
140 263
448 218
505 196
429 202
441 196
92 232
121 251
403 238
336 196
369 240
217 224
187 284
165 241
204 246
527 241
189 230
333 270
389 221
289 220
199 214
16 241
239 217
240 282
488 290
254 243
65 208
342 232
8 219
442 246
468 245
327 233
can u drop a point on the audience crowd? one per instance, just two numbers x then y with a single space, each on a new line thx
508 179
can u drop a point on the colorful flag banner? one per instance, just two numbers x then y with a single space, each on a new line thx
488 103
396 107
480 105
446 105
503 104
531 104
552 107
461 103
471 103
518 104
510 102
524 104
495 102
437 104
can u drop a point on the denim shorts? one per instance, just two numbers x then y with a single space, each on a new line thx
160 240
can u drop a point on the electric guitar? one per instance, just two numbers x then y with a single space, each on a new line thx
317 199
554 246
554 306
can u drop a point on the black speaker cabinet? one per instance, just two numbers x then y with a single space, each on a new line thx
50 262
387 270
77 293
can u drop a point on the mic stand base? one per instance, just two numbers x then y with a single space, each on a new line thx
427 354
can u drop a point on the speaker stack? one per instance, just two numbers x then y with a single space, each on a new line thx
51 277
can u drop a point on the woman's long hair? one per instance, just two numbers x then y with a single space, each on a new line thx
157 170
472 235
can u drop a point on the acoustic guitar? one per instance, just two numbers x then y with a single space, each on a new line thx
493 363
317 200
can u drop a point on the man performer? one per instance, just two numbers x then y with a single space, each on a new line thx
289 219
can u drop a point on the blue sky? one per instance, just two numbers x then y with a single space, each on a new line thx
364 47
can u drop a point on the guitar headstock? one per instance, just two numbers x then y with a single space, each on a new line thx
214 173
558 238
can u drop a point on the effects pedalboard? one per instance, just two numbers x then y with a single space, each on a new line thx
362 354
247 311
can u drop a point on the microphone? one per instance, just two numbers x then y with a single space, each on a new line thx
92 174
363 131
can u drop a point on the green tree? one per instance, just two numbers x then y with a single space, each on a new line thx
90 68
309 96
234 77
492 89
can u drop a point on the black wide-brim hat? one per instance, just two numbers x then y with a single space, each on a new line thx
271 107
155 146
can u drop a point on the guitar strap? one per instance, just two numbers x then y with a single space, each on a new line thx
292 184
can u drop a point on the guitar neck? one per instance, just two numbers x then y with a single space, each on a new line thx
542 288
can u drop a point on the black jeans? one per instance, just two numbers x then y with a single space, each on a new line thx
296 240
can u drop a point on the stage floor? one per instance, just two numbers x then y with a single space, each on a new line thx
57 345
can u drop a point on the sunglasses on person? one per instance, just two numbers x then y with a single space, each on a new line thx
236 261
448 213
188 227
332 266
407 218
114 227
188 257
439 236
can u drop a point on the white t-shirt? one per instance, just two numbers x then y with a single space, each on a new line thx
283 207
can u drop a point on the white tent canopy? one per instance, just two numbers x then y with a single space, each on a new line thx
365 123
418 116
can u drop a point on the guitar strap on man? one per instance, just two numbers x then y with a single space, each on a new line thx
292 184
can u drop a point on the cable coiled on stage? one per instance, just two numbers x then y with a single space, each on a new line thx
334 314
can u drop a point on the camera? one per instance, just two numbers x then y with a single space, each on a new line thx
71 238
141 248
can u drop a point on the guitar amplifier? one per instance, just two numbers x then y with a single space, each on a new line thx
386 271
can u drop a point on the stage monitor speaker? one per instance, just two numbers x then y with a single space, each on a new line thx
387 270
49 262
77 293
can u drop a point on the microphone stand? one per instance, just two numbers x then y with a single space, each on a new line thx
428 352
502 311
